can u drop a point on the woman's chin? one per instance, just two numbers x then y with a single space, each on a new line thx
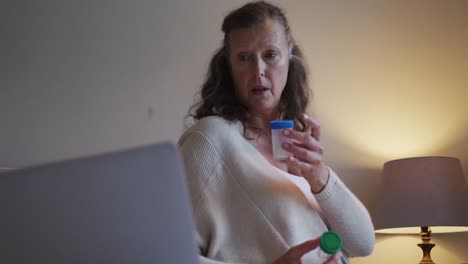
262 110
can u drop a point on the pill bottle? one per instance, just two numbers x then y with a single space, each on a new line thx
330 244
277 138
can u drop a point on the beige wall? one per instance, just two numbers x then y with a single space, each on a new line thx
389 79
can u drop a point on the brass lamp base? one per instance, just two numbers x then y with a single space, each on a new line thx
426 245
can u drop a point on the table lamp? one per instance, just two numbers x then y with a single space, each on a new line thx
423 193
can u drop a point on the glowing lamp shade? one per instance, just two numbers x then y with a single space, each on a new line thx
423 194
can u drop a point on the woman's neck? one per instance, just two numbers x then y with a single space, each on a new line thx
261 121
259 125
256 122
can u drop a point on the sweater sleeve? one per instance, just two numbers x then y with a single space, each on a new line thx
347 215
202 162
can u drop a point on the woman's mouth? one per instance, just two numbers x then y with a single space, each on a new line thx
260 90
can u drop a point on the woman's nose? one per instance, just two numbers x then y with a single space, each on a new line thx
259 68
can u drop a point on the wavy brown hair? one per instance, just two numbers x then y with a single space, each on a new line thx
217 95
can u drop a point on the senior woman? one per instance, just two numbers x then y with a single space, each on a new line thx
249 207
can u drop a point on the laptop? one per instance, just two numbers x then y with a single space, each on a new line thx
129 206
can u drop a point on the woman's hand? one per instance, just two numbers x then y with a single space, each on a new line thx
308 155
294 254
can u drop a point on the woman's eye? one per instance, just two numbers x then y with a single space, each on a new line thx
271 55
243 57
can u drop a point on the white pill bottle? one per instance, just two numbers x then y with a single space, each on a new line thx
277 138
330 244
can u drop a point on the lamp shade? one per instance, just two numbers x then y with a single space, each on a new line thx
422 191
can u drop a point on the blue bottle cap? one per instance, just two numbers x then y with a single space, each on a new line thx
281 124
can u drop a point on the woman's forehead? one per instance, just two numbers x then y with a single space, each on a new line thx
269 32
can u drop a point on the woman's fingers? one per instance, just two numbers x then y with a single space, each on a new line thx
303 139
335 259
306 147
302 156
300 165
307 155
314 126
295 253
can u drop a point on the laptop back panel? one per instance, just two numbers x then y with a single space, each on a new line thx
123 207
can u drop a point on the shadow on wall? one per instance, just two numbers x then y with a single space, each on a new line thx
361 171
459 148
364 183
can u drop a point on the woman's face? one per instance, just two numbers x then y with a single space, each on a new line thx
259 61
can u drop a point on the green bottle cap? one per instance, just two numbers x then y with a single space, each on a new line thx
330 242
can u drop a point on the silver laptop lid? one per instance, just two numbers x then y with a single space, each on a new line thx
123 207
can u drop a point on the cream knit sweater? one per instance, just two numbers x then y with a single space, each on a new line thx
248 211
